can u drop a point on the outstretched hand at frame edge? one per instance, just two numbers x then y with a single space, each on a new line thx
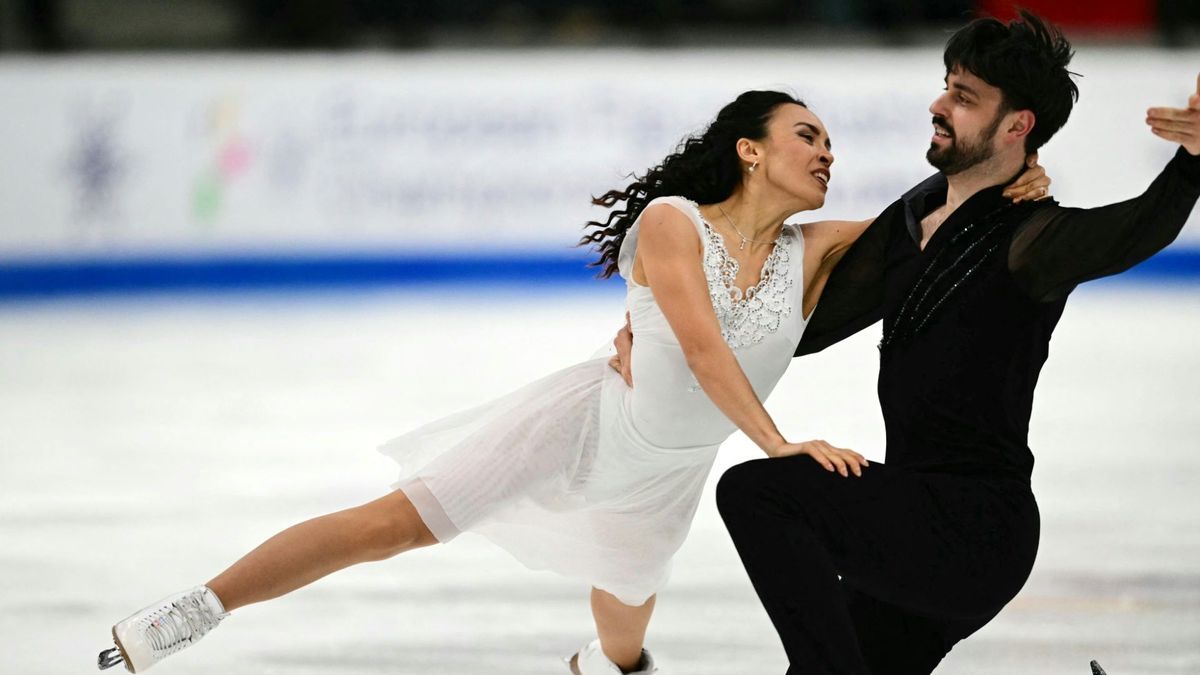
1180 125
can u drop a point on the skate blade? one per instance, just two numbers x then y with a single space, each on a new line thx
109 658
114 656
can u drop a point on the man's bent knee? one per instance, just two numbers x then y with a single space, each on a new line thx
737 486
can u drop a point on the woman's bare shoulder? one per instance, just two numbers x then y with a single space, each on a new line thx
666 226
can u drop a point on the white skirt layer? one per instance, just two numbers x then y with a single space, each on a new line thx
556 474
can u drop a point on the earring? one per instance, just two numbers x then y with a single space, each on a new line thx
752 167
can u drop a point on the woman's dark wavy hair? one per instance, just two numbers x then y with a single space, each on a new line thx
704 168
1027 61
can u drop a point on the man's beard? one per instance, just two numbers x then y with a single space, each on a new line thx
962 155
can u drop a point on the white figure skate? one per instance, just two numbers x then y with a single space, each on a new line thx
168 626
590 660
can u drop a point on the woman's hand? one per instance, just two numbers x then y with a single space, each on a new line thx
1031 186
624 346
833 459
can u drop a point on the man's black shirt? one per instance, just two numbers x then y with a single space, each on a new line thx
967 322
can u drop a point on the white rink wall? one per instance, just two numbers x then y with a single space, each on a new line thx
461 152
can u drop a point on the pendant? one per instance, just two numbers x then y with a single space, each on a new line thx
742 246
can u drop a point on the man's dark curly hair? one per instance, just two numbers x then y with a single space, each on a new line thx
1027 60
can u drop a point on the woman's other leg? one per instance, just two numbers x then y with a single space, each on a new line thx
621 628
310 550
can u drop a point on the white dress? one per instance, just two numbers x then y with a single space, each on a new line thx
579 474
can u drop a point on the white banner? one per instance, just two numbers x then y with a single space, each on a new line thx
465 151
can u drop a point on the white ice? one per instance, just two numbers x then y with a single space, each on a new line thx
147 443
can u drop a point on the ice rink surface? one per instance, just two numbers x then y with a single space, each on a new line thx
147 443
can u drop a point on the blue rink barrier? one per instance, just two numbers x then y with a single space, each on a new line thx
231 273
236 272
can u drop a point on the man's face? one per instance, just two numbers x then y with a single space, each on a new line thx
965 120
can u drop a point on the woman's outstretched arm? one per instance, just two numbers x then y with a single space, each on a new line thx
669 251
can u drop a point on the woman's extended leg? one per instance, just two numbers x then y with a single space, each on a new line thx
310 550
621 628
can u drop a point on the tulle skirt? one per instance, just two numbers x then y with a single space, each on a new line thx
556 474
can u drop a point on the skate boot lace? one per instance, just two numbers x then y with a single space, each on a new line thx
179 624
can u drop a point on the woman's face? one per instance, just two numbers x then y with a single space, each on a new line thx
796 155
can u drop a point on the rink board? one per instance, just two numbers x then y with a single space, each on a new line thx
255 165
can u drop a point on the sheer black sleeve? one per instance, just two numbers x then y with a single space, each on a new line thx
1059 248
853 296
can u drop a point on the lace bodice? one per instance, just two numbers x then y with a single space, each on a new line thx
747 317
762 324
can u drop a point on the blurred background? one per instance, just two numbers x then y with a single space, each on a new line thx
212 144
242 243
76 25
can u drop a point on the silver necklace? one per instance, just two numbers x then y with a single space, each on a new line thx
745 239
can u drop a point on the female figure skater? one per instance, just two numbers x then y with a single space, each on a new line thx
578 473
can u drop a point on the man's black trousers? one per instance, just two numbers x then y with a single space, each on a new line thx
924 559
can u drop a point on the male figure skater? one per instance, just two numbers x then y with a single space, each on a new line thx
932 544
